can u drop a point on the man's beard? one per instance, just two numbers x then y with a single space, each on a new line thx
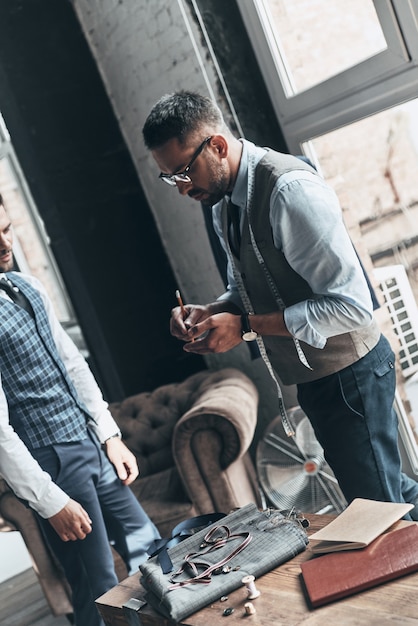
218 187
213 199
7 266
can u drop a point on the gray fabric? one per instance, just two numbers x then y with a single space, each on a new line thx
269 547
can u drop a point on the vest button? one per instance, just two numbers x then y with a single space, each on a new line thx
268 351
243 276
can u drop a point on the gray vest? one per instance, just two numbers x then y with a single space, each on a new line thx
339 351
43 404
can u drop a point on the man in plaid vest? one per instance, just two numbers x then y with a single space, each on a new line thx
53 424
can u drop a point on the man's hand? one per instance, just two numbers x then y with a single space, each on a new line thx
219 333
181 321
72 522
123 460
222 331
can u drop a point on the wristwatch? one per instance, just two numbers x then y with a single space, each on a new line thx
247 333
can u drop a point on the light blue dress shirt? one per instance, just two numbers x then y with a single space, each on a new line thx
307 226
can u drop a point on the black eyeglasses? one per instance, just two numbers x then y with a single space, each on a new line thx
183 177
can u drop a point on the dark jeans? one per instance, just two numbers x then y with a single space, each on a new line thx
83 471
353 418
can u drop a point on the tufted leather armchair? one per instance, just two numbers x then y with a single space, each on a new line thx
191 440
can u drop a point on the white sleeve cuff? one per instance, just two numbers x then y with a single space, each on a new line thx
295 318
51 502
105 428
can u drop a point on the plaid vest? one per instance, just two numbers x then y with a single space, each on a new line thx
43 404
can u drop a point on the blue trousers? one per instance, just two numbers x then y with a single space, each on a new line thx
353 418
83 471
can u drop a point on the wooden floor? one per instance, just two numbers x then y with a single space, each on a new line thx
22 603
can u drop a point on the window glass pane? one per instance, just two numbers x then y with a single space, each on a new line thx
31 246
319 39
28 249
372 165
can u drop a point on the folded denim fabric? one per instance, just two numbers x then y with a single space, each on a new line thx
274 540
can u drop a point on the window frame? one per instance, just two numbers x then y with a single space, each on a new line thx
377 83
7 153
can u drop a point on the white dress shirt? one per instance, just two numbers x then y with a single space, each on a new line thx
20 470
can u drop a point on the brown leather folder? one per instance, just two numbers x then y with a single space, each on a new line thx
339 574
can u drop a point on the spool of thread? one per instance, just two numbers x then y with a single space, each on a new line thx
252 590
249 608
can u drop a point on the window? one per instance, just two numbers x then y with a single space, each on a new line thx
372 165
316 85
31 243
302 62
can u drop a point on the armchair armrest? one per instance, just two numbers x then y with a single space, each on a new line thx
211 442
5 524
47 569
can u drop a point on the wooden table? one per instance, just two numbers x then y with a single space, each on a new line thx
281 603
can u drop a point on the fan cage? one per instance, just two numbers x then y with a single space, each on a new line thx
293 472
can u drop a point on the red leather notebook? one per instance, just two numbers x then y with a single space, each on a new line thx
339 574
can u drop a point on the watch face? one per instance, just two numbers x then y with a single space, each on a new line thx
248 334
251 335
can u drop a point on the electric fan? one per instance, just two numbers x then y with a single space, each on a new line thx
293 471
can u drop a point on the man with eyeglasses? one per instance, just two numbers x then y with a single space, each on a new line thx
295 286
183 176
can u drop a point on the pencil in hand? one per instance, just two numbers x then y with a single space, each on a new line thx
181 305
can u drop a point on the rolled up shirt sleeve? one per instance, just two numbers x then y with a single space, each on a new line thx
308 227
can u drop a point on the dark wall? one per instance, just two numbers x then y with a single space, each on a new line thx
245 85
85 186
241 72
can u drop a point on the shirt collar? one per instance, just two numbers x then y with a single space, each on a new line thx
239 193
